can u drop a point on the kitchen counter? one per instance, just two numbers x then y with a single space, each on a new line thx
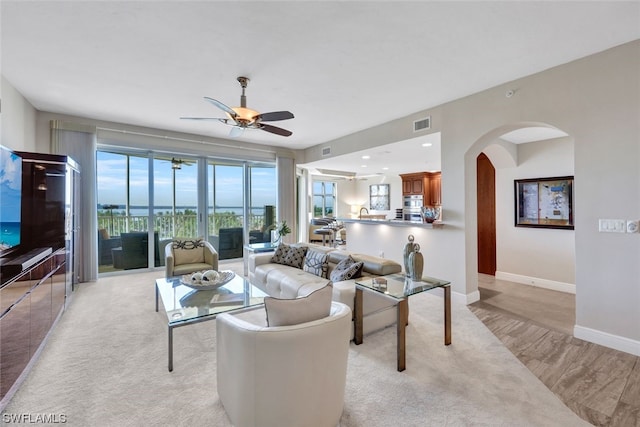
392 222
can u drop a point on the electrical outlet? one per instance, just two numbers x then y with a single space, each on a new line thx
632 226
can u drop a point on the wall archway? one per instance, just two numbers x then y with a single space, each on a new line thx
502 154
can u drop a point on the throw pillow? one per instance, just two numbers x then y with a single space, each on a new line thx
347 269
316 262
281 251
286 312
188 250
292 256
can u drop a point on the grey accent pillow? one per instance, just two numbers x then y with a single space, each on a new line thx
188 250
289 255
287 312
347 269
316 262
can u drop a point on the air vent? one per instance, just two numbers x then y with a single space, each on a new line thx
326 151
422 124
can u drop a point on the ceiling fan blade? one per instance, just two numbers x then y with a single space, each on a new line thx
275 116
236 131
276 130
201 118
221 106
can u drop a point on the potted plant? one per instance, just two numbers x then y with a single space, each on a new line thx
280 230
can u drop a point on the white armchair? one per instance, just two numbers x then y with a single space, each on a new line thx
196 255
284 375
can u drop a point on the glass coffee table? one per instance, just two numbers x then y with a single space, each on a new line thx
399 288
186 306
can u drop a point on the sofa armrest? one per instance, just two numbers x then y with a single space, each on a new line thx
345 292
260 258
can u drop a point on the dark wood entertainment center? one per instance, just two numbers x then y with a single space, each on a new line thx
37 280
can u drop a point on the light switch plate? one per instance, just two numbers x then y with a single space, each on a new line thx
612 225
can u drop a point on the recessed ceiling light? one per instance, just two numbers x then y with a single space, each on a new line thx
366 157
364 166
427 144
385 168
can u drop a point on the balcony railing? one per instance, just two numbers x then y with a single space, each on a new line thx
169 226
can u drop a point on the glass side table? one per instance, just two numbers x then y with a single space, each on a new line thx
399 288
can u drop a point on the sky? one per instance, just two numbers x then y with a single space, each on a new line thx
10 186
111 177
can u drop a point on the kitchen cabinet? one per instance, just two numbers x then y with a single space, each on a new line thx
435 190
425 184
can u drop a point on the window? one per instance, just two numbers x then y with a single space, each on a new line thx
192 197
324 198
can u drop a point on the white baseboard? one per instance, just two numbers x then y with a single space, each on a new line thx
607 340
569 288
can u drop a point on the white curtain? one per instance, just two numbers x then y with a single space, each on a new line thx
286 172
80 143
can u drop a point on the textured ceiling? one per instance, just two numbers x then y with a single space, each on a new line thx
340 67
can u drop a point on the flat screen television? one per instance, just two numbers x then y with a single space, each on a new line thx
10 200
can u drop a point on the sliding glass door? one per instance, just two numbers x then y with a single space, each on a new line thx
175 195
228 203
123 211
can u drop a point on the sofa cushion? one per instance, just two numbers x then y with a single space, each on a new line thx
188 250
373 265
347 269
289 255
316 262
285 312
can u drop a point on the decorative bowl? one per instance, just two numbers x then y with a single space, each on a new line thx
430 214
224 277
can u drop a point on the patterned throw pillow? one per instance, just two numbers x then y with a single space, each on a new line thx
292 256
285 312
188 251
347 269
317 263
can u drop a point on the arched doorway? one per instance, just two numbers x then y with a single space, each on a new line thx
512 159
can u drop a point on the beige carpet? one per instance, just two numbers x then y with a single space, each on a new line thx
106 365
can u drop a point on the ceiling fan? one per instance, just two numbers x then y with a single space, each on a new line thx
241 118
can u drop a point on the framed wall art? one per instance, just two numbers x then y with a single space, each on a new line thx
379 197
544 202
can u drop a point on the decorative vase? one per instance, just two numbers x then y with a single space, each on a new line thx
416 263
275 237
408 249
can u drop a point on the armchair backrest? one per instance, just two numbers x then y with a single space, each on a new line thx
273 376
173 264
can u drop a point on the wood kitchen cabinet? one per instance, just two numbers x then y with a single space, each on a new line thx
425 184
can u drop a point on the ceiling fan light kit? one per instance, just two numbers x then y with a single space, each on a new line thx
241 118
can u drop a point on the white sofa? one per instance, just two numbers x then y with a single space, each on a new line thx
283 281
282 376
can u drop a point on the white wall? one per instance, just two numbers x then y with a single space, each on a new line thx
18 119
595 100
534 255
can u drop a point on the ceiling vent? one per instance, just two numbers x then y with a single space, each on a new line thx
422 124
326 151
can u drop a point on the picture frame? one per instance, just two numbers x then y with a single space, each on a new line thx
379 197
544 202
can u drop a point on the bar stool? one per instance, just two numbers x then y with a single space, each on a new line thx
325 230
